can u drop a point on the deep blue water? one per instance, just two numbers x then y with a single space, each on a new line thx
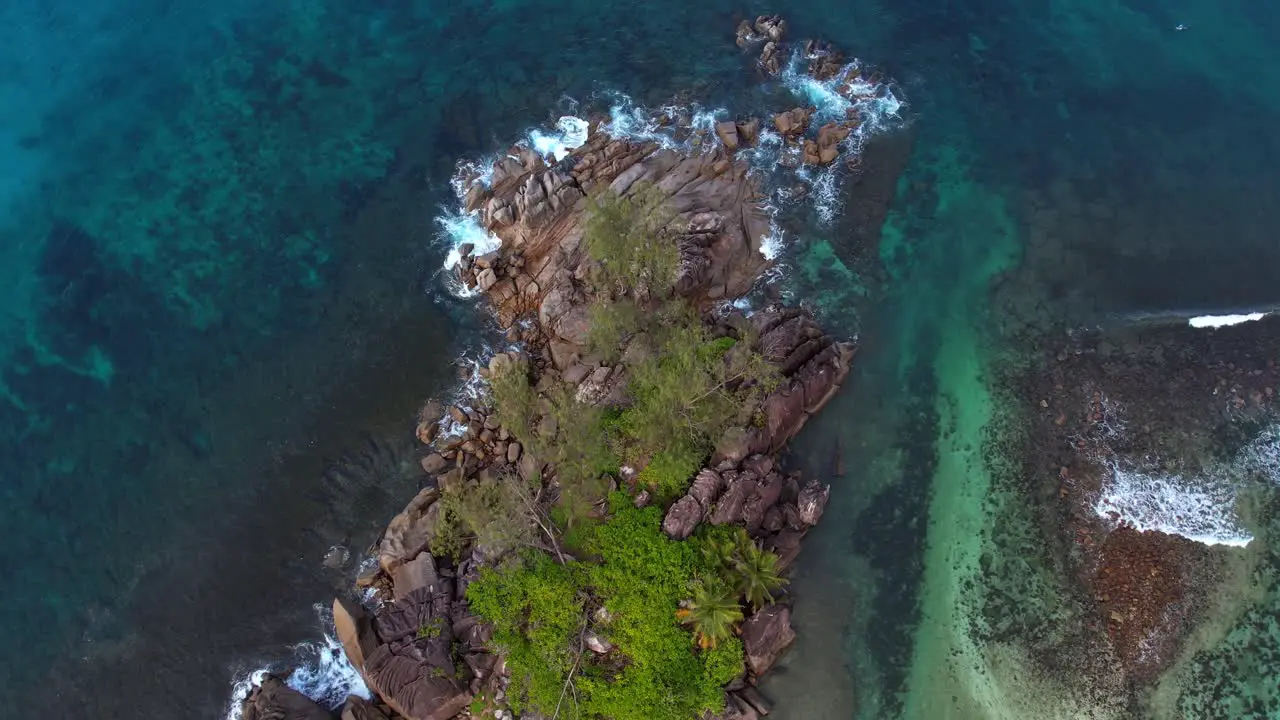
219 257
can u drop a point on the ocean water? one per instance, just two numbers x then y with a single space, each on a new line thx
222 233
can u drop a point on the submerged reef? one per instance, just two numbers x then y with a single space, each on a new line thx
1152 446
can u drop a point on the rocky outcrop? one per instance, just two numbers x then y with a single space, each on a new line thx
812 501
413 668
767 31
813 367
273 700
409 532
354 629
766 635
421 651
536 210
682 518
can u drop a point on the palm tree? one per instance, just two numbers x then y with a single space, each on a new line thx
713 613
756 572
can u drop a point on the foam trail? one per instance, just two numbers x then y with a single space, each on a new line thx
1202 508
459 228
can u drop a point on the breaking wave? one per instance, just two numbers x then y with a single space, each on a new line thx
320 671
1204 507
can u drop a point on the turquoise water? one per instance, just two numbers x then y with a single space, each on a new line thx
220 292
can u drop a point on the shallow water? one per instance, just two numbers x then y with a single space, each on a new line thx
220 255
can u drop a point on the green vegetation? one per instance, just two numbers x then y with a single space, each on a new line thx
693 389
432 629
628 239
612 323
712 613
541 610
744 566
670 609
669 472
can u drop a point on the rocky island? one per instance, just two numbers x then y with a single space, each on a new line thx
607 531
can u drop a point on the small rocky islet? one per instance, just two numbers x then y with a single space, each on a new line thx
545 288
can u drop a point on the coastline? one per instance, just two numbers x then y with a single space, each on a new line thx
725 246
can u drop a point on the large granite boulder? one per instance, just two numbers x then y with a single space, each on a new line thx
273 700
812 501
682 518
413 670
409 533
766 635
354 629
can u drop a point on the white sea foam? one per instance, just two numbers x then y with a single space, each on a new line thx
1203 508
570 133
1217 321
458 228
470 389
673 127
320 671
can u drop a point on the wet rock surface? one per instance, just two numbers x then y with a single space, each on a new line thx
274 700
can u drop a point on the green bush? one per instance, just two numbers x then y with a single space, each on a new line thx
670 472
491 510
514 401
538 607
690 392
610 324
627 236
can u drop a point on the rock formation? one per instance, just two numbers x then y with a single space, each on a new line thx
273 700
537 211
421 651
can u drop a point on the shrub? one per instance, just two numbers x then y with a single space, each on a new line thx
491 510
514 401
539 608
627 237
669 472
536 607
611 323
693 389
